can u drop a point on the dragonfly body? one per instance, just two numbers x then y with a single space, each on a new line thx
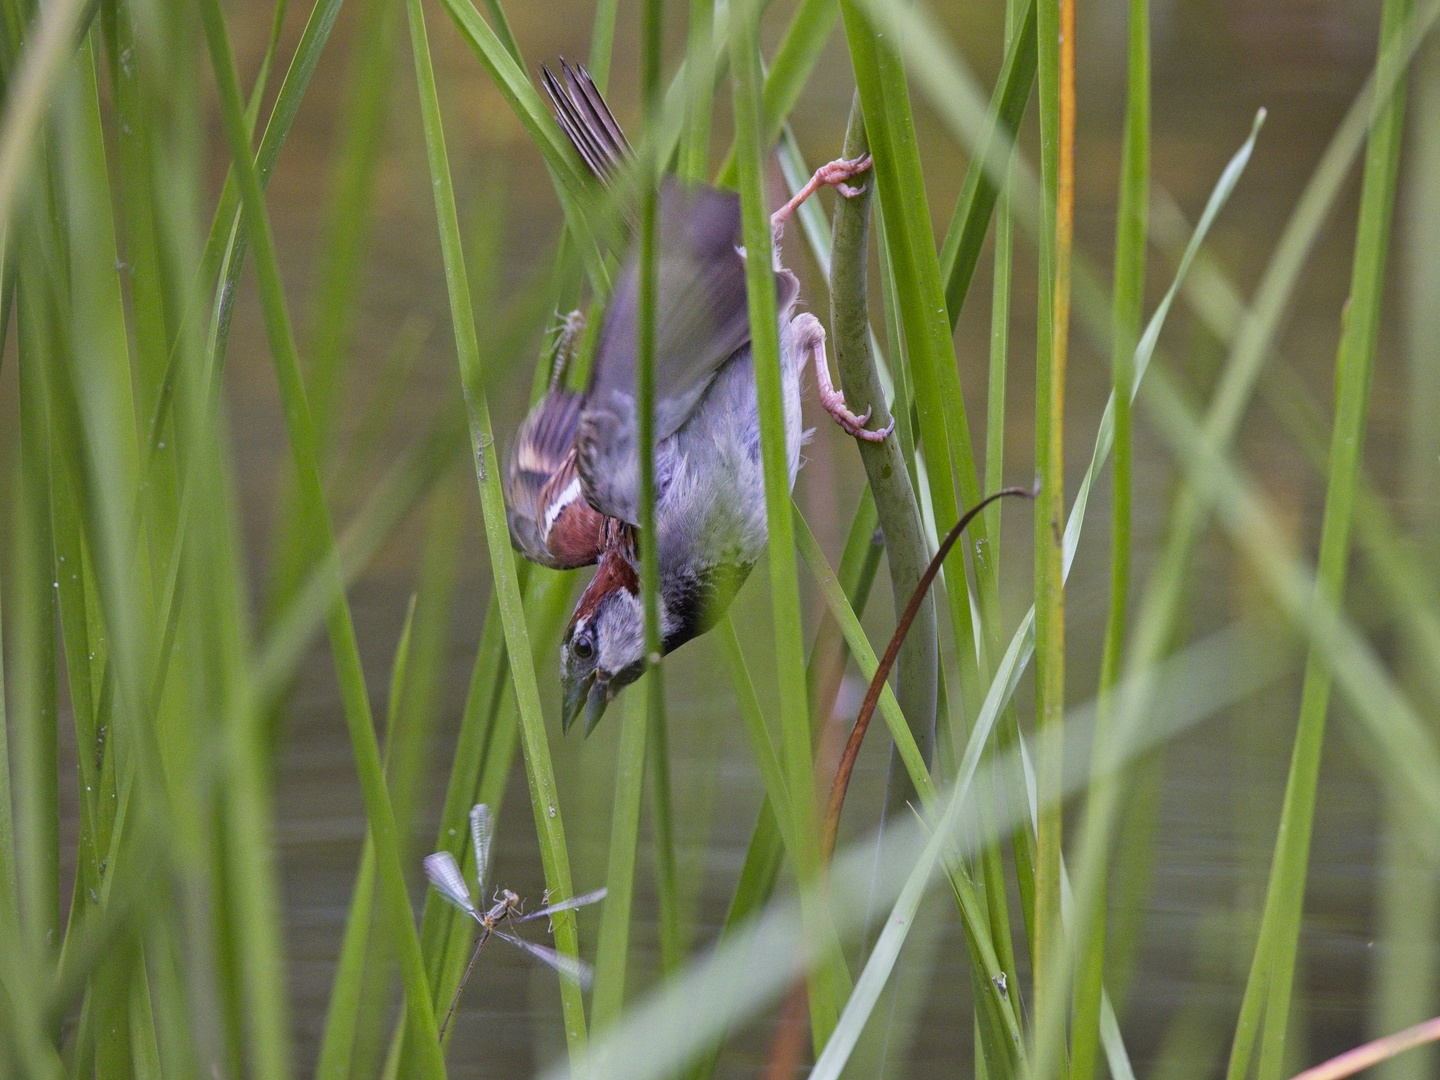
506 908
507 903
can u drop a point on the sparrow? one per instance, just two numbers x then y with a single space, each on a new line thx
572 475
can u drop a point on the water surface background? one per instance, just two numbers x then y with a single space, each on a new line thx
1215 63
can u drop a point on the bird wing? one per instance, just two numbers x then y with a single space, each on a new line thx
702 319
550 521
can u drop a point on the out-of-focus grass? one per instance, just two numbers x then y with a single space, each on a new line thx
126 580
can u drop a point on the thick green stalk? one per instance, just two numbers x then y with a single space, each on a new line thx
944 431
544 797
784 584
1272 974
342 631
899 513
1127 310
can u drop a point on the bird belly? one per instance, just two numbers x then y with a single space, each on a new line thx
711 513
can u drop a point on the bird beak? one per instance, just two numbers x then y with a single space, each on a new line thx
595 703
587 694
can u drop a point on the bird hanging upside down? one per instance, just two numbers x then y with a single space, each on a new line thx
573 481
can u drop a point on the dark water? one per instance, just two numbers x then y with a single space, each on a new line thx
1215 62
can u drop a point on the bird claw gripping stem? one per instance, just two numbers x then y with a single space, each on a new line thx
833 174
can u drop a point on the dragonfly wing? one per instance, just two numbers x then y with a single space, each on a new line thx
565 965
444 874
563 905
482 828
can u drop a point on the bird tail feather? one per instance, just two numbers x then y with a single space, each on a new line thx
586 120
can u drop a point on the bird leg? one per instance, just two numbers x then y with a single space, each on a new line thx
812 337
833 175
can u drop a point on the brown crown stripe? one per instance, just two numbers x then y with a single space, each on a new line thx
615 572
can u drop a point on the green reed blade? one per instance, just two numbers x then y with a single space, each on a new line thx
825 988
865 657
602 41
8 884
612 953
355 1021
543 795
1252 341
342 632
1405 992
34 764
749 970
93 410
762 744
647 319
227 242
575 185
407 481
345 229
48 48
930 351
787 74
1272 973
1387 717
347 215
484 753
694 164
965 236
1127 312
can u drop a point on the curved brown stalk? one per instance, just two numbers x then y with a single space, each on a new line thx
1372 1053
841 782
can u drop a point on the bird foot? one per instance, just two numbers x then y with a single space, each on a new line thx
833 174
832 399
834 403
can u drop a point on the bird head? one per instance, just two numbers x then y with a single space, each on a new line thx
604 646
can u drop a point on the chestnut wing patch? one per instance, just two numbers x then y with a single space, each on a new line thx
550 521
573 531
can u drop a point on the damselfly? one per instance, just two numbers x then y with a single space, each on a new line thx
444 873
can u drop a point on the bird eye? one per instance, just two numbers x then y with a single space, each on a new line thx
583 647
